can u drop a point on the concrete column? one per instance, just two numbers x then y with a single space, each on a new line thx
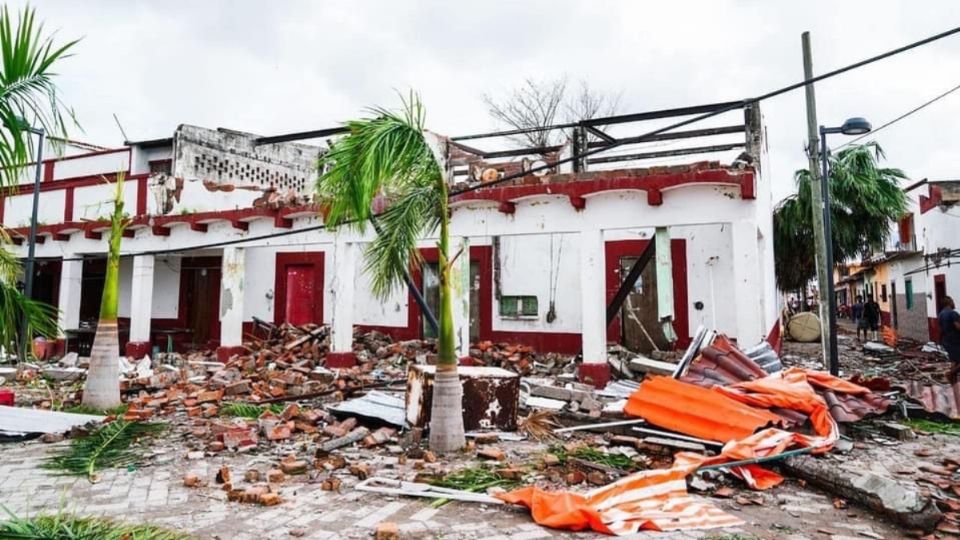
664 267
747 288
231 302
342 286
460 287
141 307
593 305
71 282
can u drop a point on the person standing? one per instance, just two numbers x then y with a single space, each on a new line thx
857 314
871 314
949 322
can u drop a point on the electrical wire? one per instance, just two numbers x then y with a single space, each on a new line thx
548 166
899 118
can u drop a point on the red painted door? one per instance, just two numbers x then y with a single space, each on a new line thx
301 294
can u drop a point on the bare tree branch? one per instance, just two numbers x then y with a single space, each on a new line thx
538 104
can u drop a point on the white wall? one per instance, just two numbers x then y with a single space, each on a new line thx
166 287
18 209
525 270
92 165
96 202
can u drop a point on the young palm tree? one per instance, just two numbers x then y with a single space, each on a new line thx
102 389
28 97
391 154
865 199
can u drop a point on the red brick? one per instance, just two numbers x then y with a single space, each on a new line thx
388 531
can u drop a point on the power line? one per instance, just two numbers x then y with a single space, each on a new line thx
730 106
899 118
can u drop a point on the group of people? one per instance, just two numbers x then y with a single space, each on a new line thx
866 315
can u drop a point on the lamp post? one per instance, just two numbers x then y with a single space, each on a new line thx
853 126
32 245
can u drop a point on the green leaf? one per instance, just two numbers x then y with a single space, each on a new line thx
109 446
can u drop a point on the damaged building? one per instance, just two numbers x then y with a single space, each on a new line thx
225 230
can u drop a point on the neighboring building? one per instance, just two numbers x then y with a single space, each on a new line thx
919 266
225 229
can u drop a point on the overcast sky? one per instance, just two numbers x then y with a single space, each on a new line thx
282 66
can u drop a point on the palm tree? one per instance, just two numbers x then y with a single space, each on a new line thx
865 199
392 155
102 389
28 97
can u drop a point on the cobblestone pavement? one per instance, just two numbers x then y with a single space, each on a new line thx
156 495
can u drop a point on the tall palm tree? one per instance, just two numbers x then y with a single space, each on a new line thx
28 97
392 155
865 199
102 388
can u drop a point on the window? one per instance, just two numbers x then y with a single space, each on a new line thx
883 292
908 290
519 306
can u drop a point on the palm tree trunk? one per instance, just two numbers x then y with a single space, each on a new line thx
102 388
446 415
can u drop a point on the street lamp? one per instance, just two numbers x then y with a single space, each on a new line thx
32 246
853 126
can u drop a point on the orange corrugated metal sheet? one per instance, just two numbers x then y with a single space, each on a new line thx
937 398
693 410
721 364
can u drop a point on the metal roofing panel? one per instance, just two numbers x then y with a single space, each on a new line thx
18 420
693 410
716 366
386 407
937 398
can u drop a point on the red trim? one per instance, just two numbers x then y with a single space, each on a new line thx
224 353
92 235
48 171
66 183
633 248
775 338
137 349
583 185
341 360
931 202
68 205
597 374
315 258
142 196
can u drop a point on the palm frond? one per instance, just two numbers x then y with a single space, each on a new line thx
249 410
394 249
62 526
385 155
865 199
28 94
41 318
107 446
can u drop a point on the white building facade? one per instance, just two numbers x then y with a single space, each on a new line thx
225 230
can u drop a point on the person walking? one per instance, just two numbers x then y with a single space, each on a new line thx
871 314
857 314
949 322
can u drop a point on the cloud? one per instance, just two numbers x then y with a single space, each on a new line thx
278 67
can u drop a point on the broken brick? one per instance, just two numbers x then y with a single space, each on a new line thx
275 476
491 453
208 396
191 480
387 531
269 499
360 470
223 475
252 476
331 484
294 467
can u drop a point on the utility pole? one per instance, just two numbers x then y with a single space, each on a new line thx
816 197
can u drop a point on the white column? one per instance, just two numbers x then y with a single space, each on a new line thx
747 288
342 288
593 302
141 298
664 268
71 282
231 296
460 288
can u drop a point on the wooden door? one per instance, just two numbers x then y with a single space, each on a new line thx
301 294
638 315
203 304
